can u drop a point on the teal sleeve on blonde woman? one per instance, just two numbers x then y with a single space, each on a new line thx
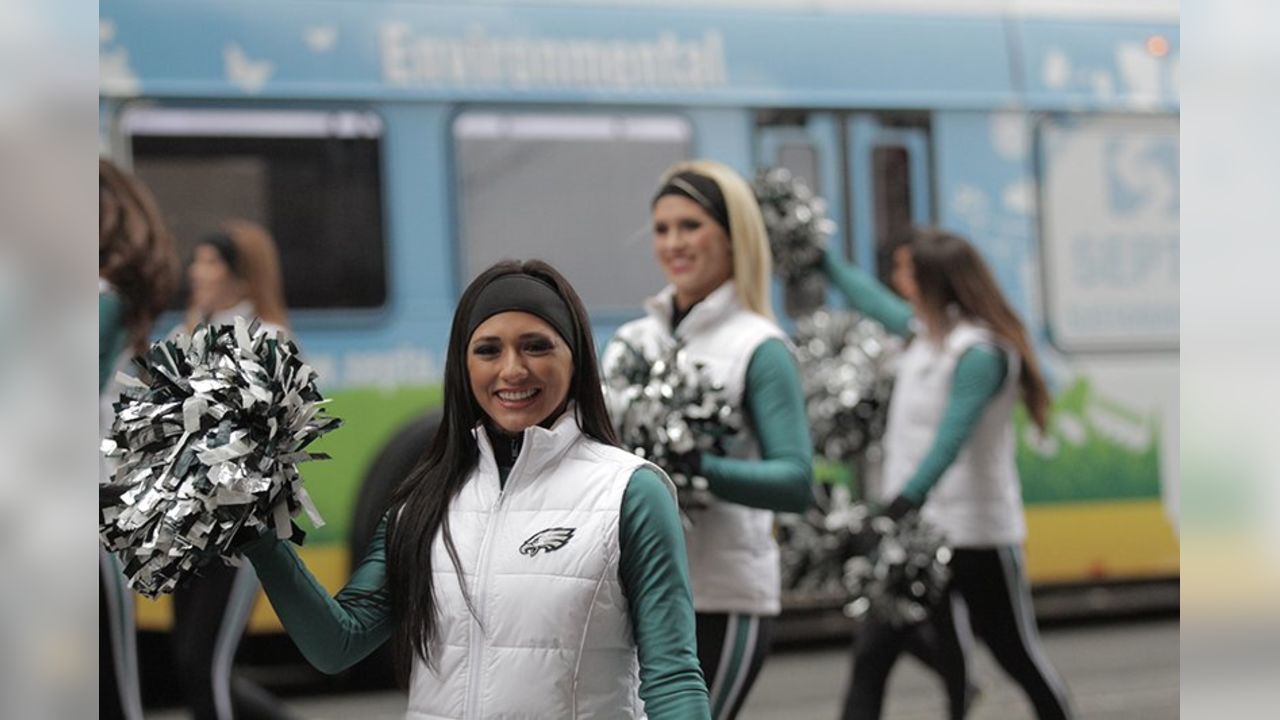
868 295
782 478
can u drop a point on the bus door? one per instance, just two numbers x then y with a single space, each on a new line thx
889 183
811 146
873 170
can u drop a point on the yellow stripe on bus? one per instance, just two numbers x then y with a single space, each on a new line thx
1100 541
1065 543
327 562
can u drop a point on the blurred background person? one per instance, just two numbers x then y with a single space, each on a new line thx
137 274
236 273
709 240
233 273
949 452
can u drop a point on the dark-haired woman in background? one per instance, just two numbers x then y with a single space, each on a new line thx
949 451
528 567
137 273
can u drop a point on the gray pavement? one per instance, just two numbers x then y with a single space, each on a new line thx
1123 671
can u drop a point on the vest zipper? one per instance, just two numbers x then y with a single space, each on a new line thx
482 572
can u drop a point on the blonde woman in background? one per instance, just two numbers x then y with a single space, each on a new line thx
709 240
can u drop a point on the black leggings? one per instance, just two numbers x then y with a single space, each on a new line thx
988 584
731 651
209 616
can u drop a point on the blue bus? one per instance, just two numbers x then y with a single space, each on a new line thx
396 148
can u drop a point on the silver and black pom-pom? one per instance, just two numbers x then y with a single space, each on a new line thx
844 362
205 448
897 571
812 558
798 228
796 221
668 410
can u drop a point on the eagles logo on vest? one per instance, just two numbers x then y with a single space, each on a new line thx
550 539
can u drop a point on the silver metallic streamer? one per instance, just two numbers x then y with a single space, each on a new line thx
845 368
206 448
812 558
898 570
667 407
796 221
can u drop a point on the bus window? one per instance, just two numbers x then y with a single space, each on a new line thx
802 160
571 189
1109 228
312 178
891 177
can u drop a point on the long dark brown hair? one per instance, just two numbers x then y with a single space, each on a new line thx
419 507
949 271
135 250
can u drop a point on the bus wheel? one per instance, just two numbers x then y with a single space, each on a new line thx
392 465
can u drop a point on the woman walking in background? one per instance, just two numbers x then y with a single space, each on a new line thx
949 452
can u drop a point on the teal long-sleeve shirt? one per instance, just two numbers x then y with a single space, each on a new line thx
335 632
979 374
782 478
111 335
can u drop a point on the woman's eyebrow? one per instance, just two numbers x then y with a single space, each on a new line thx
531 335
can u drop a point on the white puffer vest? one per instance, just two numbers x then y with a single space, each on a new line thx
553 638
978 500
733 557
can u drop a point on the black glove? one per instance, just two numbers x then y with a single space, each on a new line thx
819 259
900 506
860 543
246 535
688 464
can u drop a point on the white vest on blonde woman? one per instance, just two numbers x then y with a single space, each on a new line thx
733 557
978 500
552 633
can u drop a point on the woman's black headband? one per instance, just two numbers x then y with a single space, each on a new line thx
226 248
523 293
702 190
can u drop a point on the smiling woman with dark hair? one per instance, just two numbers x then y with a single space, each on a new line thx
528 567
